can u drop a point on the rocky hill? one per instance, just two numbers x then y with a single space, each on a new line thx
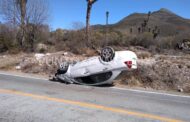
168 22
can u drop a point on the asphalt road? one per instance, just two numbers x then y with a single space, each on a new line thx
25 99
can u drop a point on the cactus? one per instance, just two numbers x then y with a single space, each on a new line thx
144 24
155 32
139 30
131 30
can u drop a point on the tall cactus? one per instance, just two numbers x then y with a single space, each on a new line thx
145 22
131 30
155 32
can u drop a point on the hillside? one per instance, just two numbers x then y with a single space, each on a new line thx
168 22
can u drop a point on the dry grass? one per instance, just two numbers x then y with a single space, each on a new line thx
143 55
163 73
8 62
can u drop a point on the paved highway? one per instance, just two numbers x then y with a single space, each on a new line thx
26 99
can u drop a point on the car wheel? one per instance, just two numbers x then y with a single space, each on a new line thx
63 68
107 54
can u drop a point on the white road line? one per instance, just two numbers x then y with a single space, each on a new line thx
150 92
31 77
126 89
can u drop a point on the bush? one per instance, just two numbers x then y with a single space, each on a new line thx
73 41
143 55
144 40
8 62
7 38
166 43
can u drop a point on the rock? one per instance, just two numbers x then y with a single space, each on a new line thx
68 54
180 90
48 54
18 67
65 53
39 56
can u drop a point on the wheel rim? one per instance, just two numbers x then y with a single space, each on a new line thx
107 54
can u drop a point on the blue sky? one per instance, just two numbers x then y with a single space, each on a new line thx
65 12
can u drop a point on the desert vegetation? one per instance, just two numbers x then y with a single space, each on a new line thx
25 29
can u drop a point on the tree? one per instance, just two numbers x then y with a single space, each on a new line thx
22 13
21 5
89 7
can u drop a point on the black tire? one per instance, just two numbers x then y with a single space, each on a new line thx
63 68
107 54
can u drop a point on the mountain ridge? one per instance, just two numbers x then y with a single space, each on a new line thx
167 21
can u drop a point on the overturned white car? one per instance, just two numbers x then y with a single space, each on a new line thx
97 70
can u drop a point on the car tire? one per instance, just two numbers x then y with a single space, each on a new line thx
63 68
107 54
